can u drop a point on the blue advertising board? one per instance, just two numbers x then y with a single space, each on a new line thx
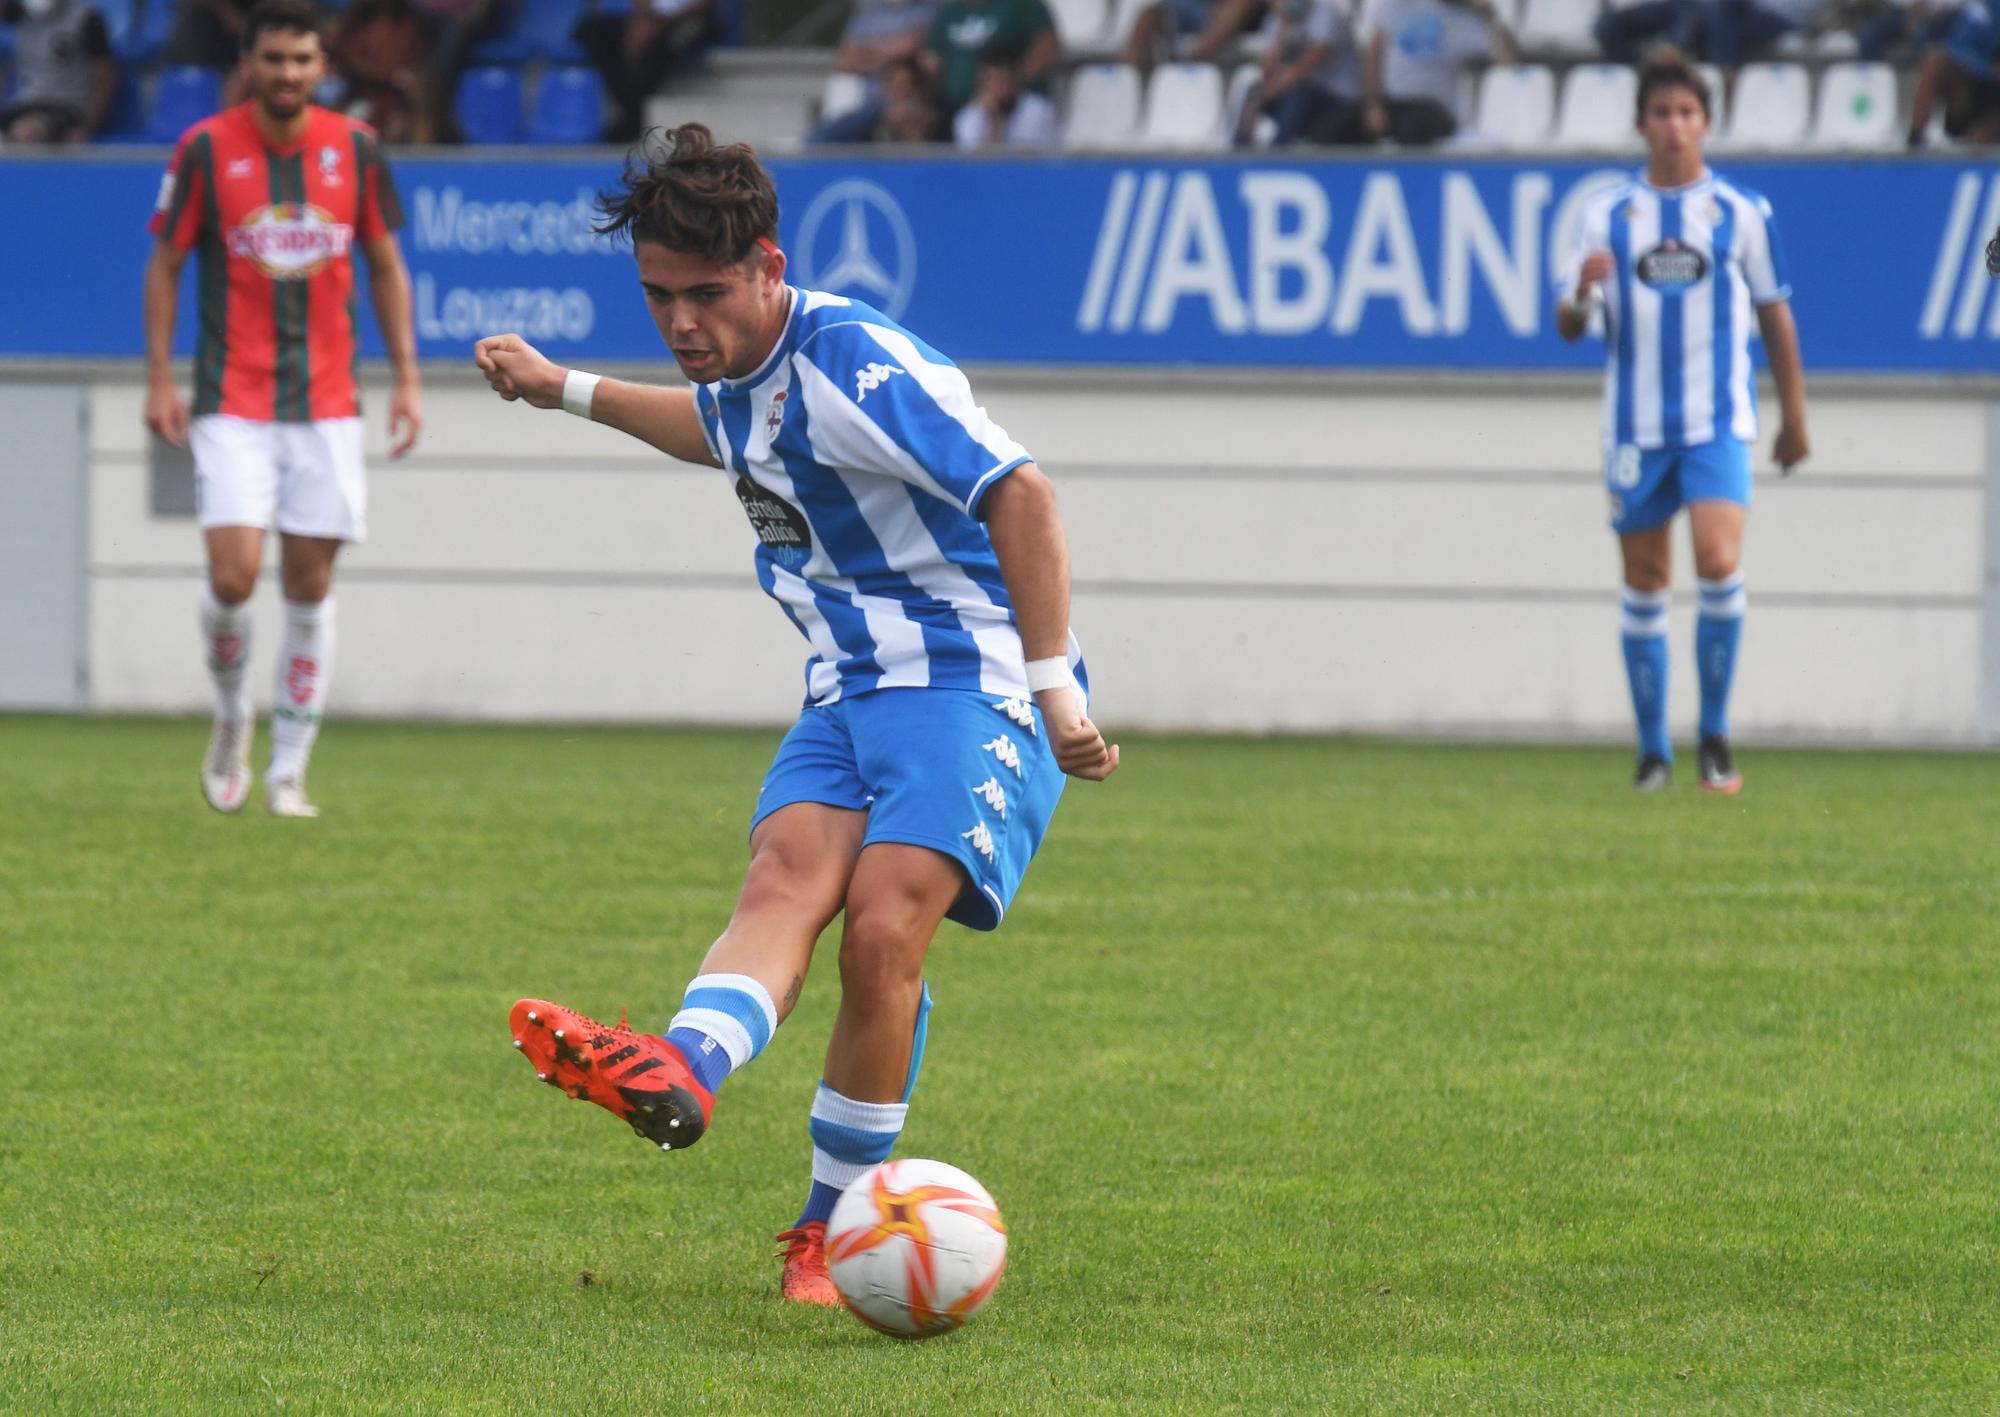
1440 262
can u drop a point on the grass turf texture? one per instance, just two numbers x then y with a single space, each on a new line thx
1321 1076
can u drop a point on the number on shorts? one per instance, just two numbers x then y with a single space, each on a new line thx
1625 466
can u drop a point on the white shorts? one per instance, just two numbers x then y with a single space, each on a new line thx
302 478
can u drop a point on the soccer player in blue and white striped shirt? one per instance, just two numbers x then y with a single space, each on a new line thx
919 551
1682 261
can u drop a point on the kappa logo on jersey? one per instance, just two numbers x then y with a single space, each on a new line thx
240 167
290 240
1671 267
329 165
870 377
775 419
778 524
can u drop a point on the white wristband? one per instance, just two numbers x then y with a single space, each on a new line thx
1050 673
579 389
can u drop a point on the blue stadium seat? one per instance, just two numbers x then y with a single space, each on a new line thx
541 31
569 108
121 19
148 37
489 105
126 122
183 96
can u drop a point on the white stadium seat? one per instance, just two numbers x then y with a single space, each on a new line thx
1103 107
1517 105
1598 103
1772 107
1559 26
1081 25
844 93
1184 108
1857 107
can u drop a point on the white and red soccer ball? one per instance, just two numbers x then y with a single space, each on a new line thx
915 1247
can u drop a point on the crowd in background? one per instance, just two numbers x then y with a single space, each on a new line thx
981 73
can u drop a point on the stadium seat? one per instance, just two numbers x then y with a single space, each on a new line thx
1103 107
126 122
182 96
152 27
1598 101
1517 105
569 107
121 24
1080 24
844 94
1118 28
1857 107
1241 81
1772 106
542 31
1559 27
489 105
1184 109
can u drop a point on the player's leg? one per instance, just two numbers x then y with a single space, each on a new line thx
236 482
1718 557
1644 498
322 505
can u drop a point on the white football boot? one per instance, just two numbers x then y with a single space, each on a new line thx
286 797
225 772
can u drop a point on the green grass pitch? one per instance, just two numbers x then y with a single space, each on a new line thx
1311 1076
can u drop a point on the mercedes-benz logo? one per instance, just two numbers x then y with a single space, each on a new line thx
855 240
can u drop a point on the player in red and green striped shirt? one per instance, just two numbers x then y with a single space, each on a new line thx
275 195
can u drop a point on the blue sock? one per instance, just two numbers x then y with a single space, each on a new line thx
724 1022
840 1151
1644 633
1716 634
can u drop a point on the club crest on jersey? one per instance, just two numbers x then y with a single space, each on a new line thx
1671 266
290 240
329 165
775 418
870 377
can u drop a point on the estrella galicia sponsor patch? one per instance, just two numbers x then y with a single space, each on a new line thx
778 524
1671 267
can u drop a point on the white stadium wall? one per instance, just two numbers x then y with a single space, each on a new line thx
1411 555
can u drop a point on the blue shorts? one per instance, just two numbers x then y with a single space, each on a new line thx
1647 487
966 774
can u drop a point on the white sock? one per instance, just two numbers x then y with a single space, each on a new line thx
225 640
305 668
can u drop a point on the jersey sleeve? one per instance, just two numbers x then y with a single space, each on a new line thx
880 402
185 194
1763 257
381 205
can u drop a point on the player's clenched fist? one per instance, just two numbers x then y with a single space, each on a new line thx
517 370
1079 748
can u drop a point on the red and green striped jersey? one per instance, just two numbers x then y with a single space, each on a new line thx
274 231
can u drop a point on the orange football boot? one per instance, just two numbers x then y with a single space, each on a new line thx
639 1076
806 1280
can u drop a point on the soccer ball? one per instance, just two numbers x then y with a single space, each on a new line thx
915 1247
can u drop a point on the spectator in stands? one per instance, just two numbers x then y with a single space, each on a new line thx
1415 60
636 50
967 35
1895 28
1960 74
879 34
909 115
64 77
1724 32
1193 31
1004 115
1310 84
382 74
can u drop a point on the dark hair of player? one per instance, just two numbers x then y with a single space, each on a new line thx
1670 69
295 15
682 191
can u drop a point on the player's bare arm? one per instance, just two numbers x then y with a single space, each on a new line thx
166 410
1573 310
1781 347
665 418
389 285
1027 533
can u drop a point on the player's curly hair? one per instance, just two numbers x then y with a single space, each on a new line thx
683 191
1668 68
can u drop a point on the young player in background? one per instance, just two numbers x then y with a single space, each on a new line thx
274 194
1680 258
920 552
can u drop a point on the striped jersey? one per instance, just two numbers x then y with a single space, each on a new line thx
860 457
274 231
1688 266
